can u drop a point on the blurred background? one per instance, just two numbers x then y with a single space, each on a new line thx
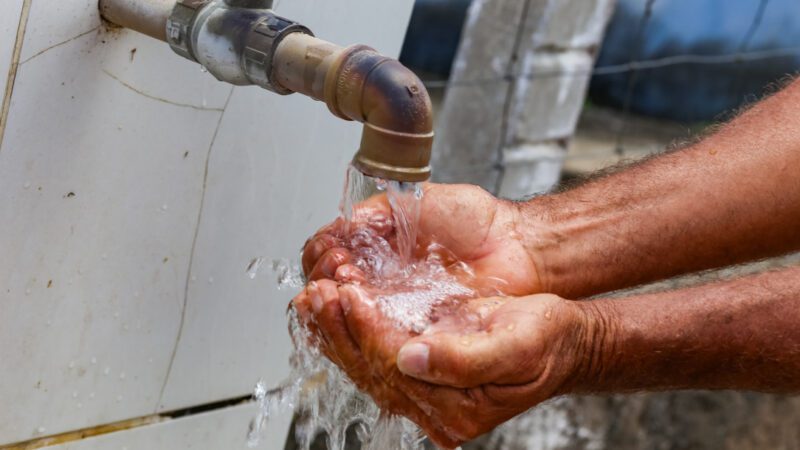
664 70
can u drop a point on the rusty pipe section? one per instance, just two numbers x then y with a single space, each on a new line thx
357 83
243 42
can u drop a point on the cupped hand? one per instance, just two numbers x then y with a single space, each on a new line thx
481 364
474 227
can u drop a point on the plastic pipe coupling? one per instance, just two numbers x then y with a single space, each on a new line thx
235 40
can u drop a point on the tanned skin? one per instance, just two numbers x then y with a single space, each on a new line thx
731 198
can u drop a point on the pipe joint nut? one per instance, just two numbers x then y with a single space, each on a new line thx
180 25
233 42
260 47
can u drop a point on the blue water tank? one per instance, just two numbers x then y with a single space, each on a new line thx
697 92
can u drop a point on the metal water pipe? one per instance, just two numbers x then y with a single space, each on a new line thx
243 42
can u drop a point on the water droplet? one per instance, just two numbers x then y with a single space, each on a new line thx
116 314
27 185
164 207
193 278
126 327
75 394
40 430
91 395
119 398
203 69
252 268
94 360
28 291
107 371
290 274
122 376
71 364
210 280
79 405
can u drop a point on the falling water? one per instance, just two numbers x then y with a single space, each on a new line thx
321 397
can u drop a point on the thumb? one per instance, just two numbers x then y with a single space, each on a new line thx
464 360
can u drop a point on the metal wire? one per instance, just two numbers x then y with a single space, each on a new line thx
675 60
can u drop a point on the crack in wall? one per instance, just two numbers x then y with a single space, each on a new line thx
59 44
159 99
191 254
12 70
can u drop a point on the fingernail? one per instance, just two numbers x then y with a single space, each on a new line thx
316 299
413 359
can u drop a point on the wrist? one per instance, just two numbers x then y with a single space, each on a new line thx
578 245
540 237
595 347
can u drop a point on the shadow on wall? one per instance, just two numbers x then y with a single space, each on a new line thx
696 92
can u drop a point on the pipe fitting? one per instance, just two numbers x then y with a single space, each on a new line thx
357 83
235 40
396 111
243 42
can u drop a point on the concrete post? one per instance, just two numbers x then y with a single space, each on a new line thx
516 92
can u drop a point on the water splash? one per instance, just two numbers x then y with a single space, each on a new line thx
290 274
410 281
254 267
324 400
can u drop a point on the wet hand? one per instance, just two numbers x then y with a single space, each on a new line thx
473 226
481 364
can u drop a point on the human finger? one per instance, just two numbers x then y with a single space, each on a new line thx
328 263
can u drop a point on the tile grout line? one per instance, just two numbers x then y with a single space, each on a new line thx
12 70
128 424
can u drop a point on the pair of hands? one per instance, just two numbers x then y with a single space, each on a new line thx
456 380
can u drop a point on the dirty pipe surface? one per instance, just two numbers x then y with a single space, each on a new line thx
357 83
145 16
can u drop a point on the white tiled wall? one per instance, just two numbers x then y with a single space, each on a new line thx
122 167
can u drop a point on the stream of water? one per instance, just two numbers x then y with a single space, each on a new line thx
408 288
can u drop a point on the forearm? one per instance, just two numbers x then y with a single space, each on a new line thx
730 198
742 334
